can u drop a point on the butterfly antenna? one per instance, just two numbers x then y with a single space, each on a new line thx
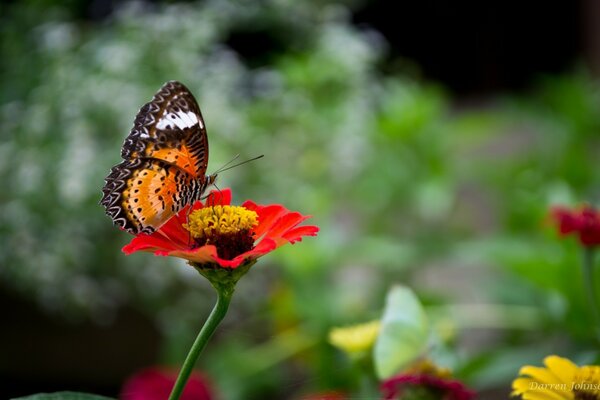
227 166
222 167
218 189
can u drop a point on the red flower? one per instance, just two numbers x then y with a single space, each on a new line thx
448 389
276 226
585 222
155 383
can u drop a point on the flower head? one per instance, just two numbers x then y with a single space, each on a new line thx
425 380
356 338
584 221
228 228
561 379
217 233
155 383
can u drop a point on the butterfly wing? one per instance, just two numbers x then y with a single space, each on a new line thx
170 128
142 194
166 155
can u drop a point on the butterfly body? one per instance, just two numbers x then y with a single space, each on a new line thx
165 160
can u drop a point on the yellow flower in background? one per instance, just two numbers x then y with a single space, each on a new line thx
560 380
355 338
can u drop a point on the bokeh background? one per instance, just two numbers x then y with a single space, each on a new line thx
427 139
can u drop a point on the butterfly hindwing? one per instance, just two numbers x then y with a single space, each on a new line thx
142 194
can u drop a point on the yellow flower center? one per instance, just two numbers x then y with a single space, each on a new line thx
220 220
586 383
229 228
356 338
427 367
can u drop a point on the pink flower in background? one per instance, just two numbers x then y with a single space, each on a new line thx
583 221
445 388
155 383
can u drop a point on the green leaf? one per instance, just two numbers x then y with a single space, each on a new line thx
404 332
63 396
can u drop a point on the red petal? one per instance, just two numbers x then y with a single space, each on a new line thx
267 216
295 234
450 389
148 243
589 231
285 223
263 247
204 254
182 215
208 254
196 206
236 262
219 197
567 220
174 231
585 222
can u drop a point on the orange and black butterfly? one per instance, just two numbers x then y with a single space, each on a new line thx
165 159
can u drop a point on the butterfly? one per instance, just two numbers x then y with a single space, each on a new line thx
165 159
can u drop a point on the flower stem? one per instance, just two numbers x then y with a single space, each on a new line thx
216 316
590 284
368 381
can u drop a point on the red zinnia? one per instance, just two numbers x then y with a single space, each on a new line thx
155 383
270 226
448 389
585 222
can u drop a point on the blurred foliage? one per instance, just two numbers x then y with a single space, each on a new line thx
405 185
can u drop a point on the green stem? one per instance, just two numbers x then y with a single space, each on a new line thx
368 381
215 317
224 281
590 284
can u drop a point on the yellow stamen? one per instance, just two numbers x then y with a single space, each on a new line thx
586 383
220 220
427 367
355 338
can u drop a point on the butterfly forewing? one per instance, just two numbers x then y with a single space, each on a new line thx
166 155
170 128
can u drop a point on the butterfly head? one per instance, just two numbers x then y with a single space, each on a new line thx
203 184
210 179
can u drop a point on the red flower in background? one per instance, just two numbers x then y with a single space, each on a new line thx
155 383
584 222
325 396
448 389
275 226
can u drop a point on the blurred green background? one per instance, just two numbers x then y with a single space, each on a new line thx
427 144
